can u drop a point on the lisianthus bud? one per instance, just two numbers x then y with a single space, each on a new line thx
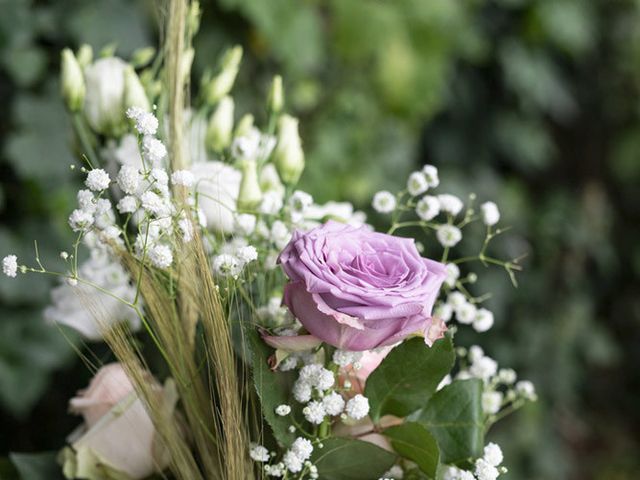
104 105
220 125
250 192
72 81
288 156
221 84
84 55
245 125
134 94
142 56
275 102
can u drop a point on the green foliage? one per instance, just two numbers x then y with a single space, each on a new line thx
408 376
344 459
38 466
454 417
414 442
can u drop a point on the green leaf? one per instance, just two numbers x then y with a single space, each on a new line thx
454 418
347 459
272 387
414 442
37 466
408 376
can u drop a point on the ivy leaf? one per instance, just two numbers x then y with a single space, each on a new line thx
414 442
454 418
347 459
37 466
272 388
407 377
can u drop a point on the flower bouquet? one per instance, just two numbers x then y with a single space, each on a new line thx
255 333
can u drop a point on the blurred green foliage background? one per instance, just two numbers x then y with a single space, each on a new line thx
532 103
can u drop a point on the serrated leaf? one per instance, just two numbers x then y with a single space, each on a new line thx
414 442
454 418
347 459
407 377
272 388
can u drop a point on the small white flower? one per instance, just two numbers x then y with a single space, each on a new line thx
448 235
493 454
127 204
259 453
145 123
314 412
302 448
128 179
80 220
186 228
283 410
153 150
507 376
183 178
247 254
483 321
280 234
301 390
394 473
271 203
10 266
343 358
453 273
358 407
466 313
333 404
97 180
292 462
443 311
489 213
485 471
526 389
417 184
384 202
428 208
475 353
160 256
450 204
245 224
247 145
154 204
484 368
431 173
300 201
491 402
160 178
86 201
277 470
289 364
227 265
456 299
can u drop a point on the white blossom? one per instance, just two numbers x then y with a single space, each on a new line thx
280 234
455 299
443 311
86 201
384 202
450 203
483 320
80 220
507 376
428 207
314 412
475 353
183 178
97 180
245 224
526 389
10 266
484 368
146 123
302 448
394 473
277 470
300 201
343 358
453 273
448 235
466 313
128 179
283 410
227 265
259 453
358 407
431 174
491 401
489 213
271 203
333 403
493 454
417 184
247 254
217 187
153 150
485 471
155 204
160 256
292 462
127 204
301 390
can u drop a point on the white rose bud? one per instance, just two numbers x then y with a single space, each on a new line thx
220 85
72 81
288 156
220 126
275 101
250 193
104 105
118 437
134 94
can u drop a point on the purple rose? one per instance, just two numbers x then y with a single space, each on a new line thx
357 289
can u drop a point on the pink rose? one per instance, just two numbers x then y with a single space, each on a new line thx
357 289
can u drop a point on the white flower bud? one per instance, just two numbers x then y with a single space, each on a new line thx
275 101
221 84
288 156
134 94
250 194
489 213
84 55
104 105
72 81
244 126
220 126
